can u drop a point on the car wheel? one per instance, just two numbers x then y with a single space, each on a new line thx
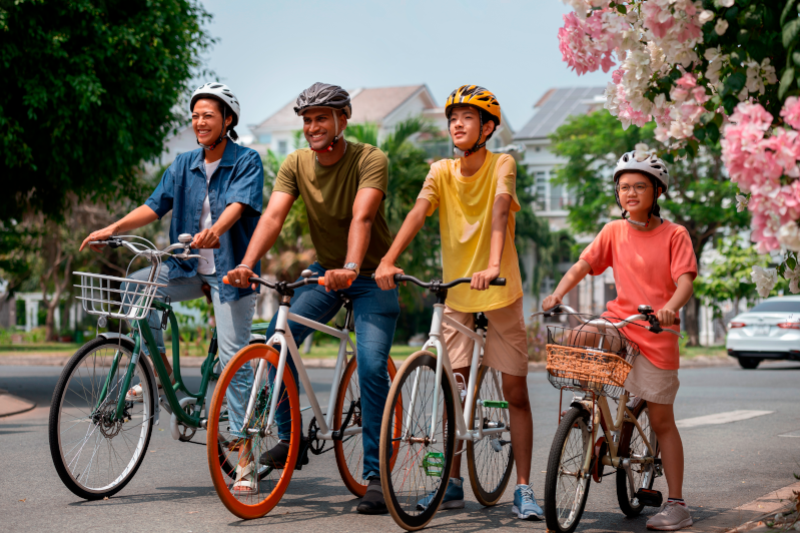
749 363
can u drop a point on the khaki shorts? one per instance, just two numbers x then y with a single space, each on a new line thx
651 383
506 346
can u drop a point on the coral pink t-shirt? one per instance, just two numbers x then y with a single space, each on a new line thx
647 265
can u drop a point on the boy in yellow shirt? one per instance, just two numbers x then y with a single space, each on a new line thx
476 197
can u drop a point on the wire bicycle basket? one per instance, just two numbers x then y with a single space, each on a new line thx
117 297
587 359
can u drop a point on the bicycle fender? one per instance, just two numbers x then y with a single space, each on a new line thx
109 335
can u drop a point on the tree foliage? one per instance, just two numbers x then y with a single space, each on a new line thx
91 89
698 197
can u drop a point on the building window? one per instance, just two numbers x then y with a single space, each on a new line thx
265 138
541 191
550 196
283 147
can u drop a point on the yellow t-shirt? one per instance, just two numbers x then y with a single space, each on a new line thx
465 224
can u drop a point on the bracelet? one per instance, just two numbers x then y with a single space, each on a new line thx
242 265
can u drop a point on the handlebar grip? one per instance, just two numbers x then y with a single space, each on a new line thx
500 282
677 321
321 281
225 280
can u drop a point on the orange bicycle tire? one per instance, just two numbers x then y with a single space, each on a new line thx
352 483
240 509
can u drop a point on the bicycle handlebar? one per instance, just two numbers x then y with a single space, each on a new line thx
282 285
116 242
437 285
654 326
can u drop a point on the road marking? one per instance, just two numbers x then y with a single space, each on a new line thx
792 434
720 418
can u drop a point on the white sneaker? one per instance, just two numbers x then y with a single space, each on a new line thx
671 517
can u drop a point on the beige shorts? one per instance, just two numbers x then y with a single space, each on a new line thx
651 383
506 346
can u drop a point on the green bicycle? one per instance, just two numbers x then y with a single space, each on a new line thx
98 438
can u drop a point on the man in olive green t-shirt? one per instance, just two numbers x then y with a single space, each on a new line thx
343 186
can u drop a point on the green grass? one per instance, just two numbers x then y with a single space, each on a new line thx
39 347
690 352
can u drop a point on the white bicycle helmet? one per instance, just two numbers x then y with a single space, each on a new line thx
648 163
645 162
222 93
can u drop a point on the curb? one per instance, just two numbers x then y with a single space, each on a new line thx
13 405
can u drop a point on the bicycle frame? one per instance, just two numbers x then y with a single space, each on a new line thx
443 365
283 336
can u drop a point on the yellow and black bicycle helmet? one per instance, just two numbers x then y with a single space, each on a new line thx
481 98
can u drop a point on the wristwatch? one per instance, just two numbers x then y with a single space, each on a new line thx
352 266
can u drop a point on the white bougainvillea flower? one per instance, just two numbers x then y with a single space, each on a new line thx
726 3
721 27
789 236
765 280
705 16
741 202
794 280
641 151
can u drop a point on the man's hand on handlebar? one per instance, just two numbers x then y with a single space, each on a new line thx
551 301
666 317
99 235
240 277
338 279
205 239
481 280
384 275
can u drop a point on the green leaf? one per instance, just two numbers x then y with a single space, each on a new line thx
731 13
735 82
712 132
786 82
796 58
790 32
787 11
622 9
791 263
700 134
781 269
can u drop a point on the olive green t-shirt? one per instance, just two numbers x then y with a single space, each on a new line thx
329 193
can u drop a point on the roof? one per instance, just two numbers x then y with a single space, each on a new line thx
556 106
369 105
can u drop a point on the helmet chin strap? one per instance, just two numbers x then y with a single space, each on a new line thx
478 144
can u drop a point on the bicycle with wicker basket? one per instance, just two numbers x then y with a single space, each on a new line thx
593 361
98 437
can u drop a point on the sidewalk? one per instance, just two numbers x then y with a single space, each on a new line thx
751 517
13 405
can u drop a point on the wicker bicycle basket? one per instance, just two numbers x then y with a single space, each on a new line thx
589 360
116 297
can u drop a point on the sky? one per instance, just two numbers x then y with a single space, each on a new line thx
269 51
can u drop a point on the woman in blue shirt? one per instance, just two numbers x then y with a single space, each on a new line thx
216 194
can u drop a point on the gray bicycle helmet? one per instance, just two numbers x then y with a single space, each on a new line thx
324 95
649 164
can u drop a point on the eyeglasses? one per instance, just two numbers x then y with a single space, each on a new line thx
638 187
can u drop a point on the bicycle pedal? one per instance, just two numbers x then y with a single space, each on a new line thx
650 498
302 458
495 404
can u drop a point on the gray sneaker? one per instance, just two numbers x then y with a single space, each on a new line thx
671 517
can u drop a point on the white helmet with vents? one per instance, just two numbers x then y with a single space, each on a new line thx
643 160
219 91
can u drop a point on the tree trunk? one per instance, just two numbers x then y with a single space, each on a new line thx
50 322
692 316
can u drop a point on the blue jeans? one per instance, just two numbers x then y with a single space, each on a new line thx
375 313
233 321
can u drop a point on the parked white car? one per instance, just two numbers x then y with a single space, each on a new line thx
770 330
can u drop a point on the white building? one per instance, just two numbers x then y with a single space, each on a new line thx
383 106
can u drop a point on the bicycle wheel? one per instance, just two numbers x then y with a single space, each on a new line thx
350 451
566 484
489 460
633 446
234 449
95 453
422 461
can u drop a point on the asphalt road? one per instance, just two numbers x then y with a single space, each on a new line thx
727 465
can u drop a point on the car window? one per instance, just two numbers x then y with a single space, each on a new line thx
777 306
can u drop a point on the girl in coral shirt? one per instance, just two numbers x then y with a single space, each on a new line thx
654 264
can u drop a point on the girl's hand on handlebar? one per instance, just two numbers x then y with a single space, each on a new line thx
481 280
384 275
338 279
666 317
99 235
240 277
550 302
205 239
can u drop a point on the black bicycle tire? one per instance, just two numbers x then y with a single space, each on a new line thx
622 477
403 519
553 468
55 404
483 496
